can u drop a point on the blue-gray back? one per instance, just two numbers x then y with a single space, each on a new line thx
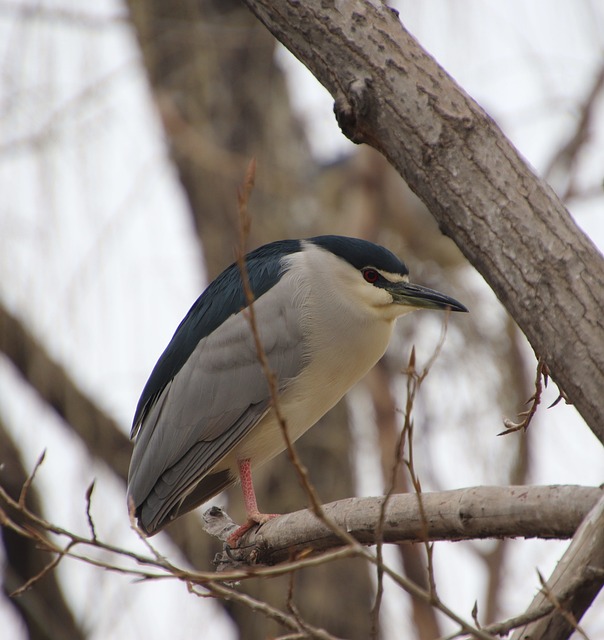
223 298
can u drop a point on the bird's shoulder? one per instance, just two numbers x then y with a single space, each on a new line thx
224 297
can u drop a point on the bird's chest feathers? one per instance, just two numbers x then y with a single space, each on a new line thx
342 342
342 355
329 374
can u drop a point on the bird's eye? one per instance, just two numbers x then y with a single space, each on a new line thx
371 275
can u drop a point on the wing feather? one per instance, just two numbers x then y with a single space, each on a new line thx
181 481
214 400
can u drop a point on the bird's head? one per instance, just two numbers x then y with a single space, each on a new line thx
374 278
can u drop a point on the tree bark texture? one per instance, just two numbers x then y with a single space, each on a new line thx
576 581
391 94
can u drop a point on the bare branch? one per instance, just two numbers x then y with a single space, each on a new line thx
30 479
534 401
88 514
565 160
575 582
414 382
462 514
533 510
44 571
245 223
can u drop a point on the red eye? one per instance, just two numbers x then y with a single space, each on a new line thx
371 275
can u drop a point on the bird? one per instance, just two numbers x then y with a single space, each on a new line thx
324 307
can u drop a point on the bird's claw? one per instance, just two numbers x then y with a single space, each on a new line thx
253 520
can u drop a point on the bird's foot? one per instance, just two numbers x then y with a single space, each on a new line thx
253 519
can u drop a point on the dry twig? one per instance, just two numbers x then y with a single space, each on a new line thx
157 567
541 379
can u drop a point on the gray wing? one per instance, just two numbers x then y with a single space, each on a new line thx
211 404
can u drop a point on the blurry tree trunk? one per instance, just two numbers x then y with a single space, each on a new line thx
97 430
222 101
413 557
515 389
43 610
371 195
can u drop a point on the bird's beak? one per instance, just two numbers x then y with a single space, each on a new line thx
414 295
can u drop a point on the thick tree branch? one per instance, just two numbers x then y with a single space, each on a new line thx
392 95
582 565
463 514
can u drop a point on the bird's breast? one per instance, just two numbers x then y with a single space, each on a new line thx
334 365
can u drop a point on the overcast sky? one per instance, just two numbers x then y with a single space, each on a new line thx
97 252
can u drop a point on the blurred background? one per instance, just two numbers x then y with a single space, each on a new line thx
125 130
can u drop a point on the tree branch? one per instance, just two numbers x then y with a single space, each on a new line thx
566 159
463 514
45 612
509 223
97 430
582 565
539 508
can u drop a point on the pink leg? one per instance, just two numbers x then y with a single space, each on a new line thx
247 487
251 506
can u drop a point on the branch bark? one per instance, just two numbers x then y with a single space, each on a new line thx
582 566
391 94
463 514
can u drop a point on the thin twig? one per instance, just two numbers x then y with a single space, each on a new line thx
88 514
534 400
30 479
46 569
414 382
244 227
566 159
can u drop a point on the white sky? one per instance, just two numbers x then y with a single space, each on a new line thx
96 251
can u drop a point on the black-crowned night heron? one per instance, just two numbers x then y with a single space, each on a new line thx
325 308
